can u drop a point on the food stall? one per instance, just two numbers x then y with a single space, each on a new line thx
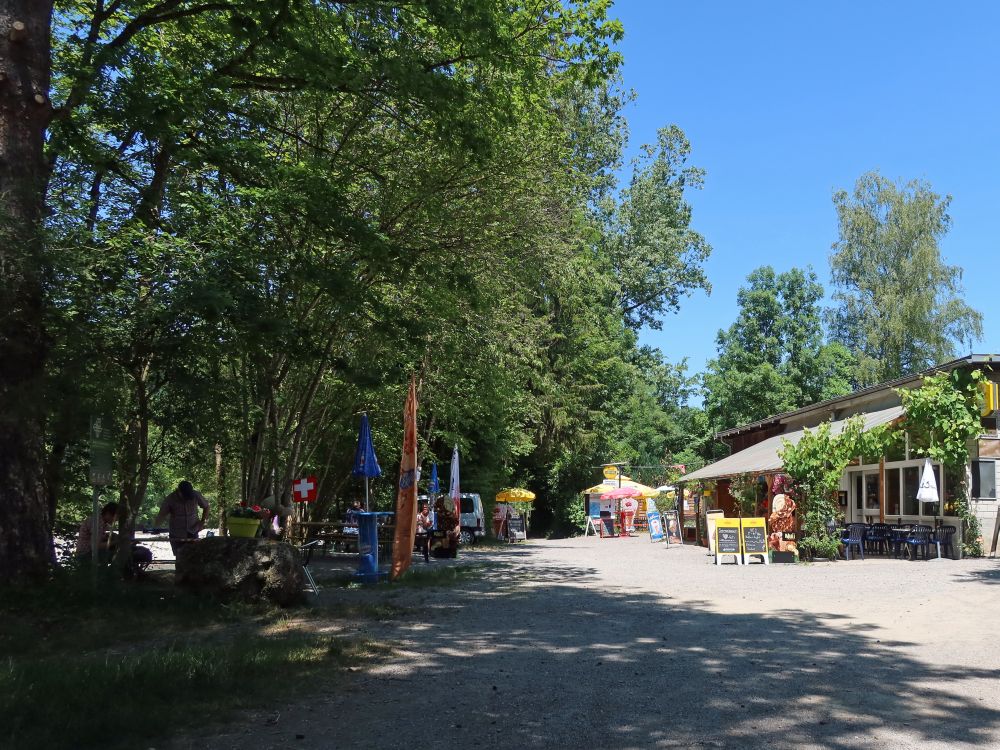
512 513
595 506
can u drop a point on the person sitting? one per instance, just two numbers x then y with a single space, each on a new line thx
351 518
424 528
106 541
85 534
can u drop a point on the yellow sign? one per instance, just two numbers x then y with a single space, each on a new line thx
989 398
727 536
610 472
753 536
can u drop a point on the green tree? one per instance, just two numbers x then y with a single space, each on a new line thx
900 308
247 217
650 244
774 357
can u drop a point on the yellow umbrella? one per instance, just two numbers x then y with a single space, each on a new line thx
515 495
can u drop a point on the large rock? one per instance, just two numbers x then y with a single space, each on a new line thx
244 569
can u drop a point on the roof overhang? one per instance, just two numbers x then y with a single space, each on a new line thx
763 457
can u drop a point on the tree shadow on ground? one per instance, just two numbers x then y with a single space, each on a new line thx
985 575
536 655
635 669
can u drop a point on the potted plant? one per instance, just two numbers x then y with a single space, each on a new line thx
244 520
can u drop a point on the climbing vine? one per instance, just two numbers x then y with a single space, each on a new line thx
942 416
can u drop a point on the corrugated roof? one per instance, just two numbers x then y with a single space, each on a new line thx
763 456
972 359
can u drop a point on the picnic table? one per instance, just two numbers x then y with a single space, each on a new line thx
339 535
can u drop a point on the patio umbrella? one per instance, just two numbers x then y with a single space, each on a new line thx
515 495
620 492
928 490
365 462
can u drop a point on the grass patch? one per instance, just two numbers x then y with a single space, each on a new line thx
426 577
87 663
122 700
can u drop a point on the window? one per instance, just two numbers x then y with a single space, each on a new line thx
911 483
871 491
892 492
984 480
467 505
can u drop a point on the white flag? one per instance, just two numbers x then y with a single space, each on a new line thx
454 492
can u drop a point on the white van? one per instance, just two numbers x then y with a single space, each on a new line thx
473 519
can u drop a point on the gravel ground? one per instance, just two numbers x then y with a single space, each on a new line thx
623 643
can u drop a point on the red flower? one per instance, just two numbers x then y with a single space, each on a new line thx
243 503
256 509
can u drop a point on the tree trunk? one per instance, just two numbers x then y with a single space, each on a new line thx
25 69
221 486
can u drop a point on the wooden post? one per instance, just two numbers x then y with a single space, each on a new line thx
679 504
881 490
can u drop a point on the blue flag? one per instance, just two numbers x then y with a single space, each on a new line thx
365 462
434 487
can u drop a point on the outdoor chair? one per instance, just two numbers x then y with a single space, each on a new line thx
855 537
942 540
878 538
918 539
305 552
897 538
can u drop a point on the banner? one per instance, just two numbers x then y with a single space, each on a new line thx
455 490
406 498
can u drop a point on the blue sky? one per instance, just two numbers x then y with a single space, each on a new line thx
786 102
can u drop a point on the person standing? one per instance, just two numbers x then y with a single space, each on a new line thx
181 506
424 528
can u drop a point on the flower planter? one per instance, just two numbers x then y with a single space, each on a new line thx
243 527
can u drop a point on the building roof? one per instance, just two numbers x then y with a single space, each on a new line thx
831 404
763 456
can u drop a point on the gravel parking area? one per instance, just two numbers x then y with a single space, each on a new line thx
622 643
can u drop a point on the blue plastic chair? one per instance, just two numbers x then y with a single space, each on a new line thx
941 538
897 538
878 538
919 539
855 537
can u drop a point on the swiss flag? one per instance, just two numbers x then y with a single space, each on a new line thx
304 490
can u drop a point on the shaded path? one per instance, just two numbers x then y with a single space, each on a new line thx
580 643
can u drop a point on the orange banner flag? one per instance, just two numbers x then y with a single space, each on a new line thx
406 498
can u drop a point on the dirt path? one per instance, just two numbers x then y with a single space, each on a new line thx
620 643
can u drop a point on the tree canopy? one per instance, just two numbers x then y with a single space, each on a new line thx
261 217
774 357
899 304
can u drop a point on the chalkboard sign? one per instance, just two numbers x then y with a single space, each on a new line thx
754 536
727 539
515 527
607 524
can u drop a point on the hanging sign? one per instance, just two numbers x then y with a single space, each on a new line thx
655 526
305 490
611 472
101 448
753 536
